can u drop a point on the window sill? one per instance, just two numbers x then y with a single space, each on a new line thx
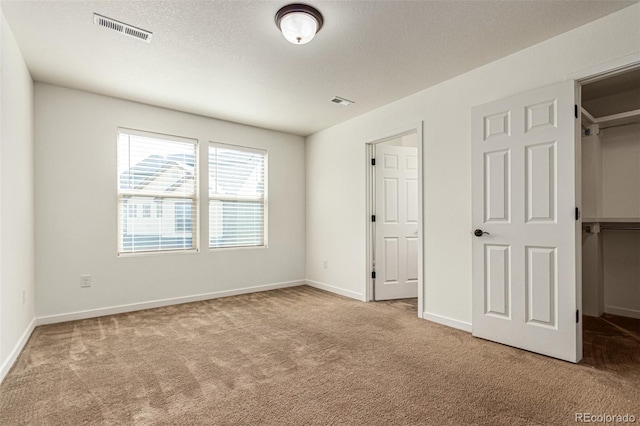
211 249
156 253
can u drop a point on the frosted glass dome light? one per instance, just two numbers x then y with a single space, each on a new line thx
299 23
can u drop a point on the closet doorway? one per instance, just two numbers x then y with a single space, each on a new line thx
610 106
394 205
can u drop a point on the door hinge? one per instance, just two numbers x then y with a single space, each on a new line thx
373 161
373 218
577 213
575 110
373 274
577 316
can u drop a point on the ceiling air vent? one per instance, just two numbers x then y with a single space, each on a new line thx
342 101
123 28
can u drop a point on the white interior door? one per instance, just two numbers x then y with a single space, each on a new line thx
396 226
525 291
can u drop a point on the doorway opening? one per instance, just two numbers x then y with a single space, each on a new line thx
610 178
394 234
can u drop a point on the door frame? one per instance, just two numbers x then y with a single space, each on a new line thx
370 207
605 69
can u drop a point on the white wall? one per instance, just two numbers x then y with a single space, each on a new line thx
337 218
75 160
592 272
410 140
16 200
621 171
621 260
621 198
591 176
613 103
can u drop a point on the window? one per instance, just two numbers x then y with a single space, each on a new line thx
158 170
183 216
237 196
158 208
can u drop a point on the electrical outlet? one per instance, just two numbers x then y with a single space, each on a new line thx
325 264
24 296
85 281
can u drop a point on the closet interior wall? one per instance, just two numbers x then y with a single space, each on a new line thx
611 211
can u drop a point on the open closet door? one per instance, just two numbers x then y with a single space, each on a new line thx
397 220
525 282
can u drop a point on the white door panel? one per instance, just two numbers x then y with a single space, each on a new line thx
396 226
524 199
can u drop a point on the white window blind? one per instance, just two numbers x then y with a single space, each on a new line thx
237 196
157 192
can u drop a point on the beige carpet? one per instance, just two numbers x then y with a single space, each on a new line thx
297 356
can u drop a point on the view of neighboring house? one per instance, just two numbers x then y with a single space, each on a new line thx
157 220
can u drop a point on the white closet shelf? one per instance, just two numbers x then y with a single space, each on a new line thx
614 119
611 220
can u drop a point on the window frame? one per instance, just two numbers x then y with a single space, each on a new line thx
265 196
120 194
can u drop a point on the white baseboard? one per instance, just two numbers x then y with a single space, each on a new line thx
6 366
449 322
624 312
336 290
112 310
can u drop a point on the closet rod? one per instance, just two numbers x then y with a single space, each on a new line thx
604 228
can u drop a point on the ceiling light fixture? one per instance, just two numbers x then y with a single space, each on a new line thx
299 23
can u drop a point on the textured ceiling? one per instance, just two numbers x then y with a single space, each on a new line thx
226 59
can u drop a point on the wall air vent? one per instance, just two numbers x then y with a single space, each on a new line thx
342 101
123 28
